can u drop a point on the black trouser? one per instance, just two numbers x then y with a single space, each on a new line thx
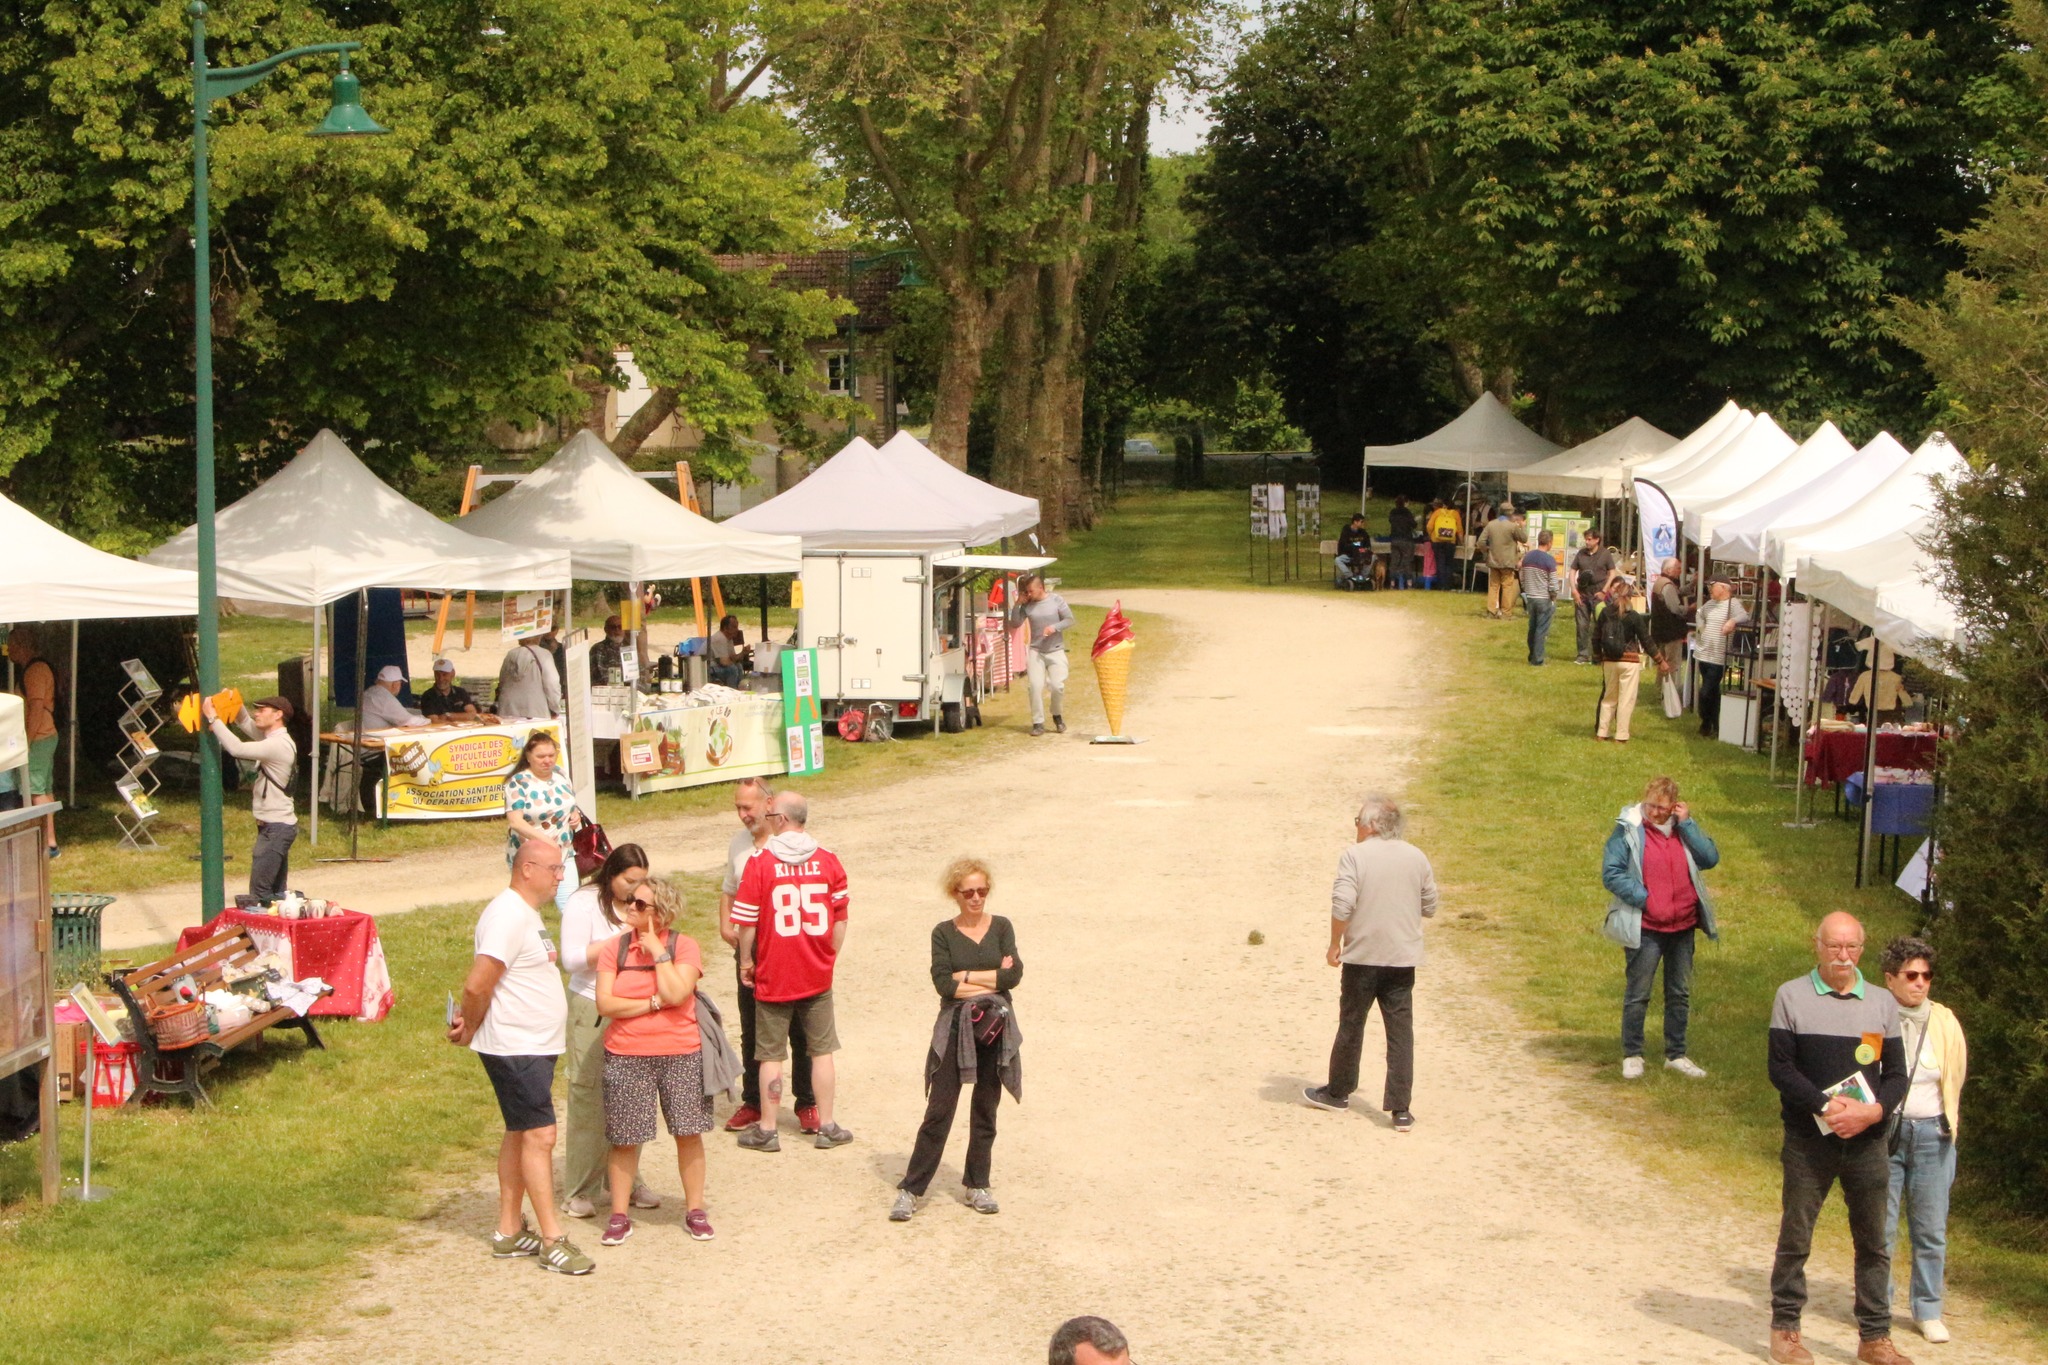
1394 989
799 1059
1582 613
270 861
1813 1162
1709 699
938 1117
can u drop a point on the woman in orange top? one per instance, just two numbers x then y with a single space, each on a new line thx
647 986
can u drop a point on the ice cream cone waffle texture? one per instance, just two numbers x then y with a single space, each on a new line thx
1113 676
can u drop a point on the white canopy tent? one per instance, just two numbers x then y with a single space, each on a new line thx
1741 541
1597 468
1816 456
1760 448
1702 441
1888 585
325 527
49 576
613 527
908 499
1902 498
1483 438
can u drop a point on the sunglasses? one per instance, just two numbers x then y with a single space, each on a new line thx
972 893
1916 976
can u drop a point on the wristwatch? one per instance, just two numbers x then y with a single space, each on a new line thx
665 957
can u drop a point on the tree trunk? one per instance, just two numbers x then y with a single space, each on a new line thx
1013 467
967 331
656 410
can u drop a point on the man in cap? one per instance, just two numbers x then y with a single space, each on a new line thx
382 710
444 698
270 801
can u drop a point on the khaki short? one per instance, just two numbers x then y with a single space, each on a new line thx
773 1018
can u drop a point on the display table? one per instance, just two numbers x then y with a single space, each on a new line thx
1831 755
342 949
448 770
716 743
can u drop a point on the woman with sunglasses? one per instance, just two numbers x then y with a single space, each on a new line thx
975 1042
647 986
591 918
1923 1146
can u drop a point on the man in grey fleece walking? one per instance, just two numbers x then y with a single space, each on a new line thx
1048 616
1384 890
275 757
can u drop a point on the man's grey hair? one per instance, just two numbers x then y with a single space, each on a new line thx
1673 568
760 785
1381 815
1100 1333
793 808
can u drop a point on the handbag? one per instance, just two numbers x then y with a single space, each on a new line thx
592 847
987 1016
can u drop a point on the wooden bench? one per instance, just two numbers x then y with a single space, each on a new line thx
156 986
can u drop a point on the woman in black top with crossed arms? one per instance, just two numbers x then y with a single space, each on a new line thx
975 1040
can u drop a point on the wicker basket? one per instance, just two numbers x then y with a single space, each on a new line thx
177 1026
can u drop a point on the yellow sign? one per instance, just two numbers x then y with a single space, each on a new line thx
455 773
796 594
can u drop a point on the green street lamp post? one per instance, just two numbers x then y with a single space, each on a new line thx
345 119
855 265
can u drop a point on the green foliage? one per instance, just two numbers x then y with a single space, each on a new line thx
1622 208
1986 341
558 177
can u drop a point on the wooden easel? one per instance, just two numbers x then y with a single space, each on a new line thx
686 494
469 602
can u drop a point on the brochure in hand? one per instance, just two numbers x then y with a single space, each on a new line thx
1851 1087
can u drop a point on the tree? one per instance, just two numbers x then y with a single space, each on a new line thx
1986 341
559 176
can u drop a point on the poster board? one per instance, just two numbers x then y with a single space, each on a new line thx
580 752
526 614
456 773
803 730
721 743
640 753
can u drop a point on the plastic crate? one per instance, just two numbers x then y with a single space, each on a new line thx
75 934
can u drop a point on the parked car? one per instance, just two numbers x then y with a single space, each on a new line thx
1140 450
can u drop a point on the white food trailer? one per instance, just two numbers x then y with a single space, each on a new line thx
895 626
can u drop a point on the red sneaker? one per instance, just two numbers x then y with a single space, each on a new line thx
743 1118
807 1118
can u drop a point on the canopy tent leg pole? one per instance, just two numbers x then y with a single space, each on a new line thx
1466 528
1869 765
1816 641
764 608
313 716
1692 672
71 732
355 819
1763 579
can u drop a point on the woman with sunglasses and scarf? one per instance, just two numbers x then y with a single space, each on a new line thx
975 1042
1923 1146
647 986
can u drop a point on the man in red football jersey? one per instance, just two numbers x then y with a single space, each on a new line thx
791 913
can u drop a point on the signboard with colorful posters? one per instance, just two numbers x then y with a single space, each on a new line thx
803 730
528 614
1567 532
717 743
455 773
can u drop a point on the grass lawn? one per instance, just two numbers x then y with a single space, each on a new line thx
1513 801
1161 539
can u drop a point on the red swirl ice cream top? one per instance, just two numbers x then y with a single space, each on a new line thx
1116 630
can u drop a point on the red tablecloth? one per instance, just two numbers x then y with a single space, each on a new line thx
1831 755
342 949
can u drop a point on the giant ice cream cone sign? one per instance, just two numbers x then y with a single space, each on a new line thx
1115 643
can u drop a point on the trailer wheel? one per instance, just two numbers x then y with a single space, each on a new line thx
952 718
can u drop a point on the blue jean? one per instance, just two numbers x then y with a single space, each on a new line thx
1675 952
1923 1168
1541 609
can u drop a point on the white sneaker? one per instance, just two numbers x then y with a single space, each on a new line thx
1631 1068
579 1207
1933 1330
1686 1066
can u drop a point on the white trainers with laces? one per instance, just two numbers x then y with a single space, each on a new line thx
1631 1068
1933 1330
1686 1066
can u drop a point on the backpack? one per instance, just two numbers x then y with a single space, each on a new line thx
626 941
1610 632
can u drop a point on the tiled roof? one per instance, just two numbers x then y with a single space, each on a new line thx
826 270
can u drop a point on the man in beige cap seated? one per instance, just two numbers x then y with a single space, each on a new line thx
444 698
382 710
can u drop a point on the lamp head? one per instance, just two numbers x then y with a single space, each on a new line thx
345 117
912 277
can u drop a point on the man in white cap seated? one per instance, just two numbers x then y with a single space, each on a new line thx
382 710
444 698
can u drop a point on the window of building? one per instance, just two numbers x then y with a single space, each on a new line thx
835 375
